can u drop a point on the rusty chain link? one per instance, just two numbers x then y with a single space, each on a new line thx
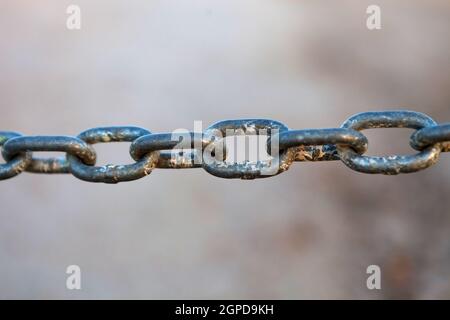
203 149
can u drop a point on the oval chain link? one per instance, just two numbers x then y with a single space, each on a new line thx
68 145
246 169
112 173
389 165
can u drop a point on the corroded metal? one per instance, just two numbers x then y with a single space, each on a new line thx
430 136
395 164
277 164
320 144
208 149
69 145
180 160
164 141
18 163
113 173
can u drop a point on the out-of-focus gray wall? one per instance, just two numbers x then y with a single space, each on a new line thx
308 233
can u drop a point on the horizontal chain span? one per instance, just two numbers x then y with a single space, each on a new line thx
212 148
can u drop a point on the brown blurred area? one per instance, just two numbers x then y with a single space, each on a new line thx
308 233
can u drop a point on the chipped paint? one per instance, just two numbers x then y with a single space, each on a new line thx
158 150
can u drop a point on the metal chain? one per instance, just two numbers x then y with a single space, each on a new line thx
202 150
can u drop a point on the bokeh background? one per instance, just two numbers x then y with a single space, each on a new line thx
308 233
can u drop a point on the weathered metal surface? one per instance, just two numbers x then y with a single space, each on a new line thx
320 144
113 173
69 145
208 150
180 160
18 163
430 136
247 169
395 164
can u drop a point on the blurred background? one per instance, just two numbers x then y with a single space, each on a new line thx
308 233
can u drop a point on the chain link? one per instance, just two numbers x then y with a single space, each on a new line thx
208 149
112 173
392 164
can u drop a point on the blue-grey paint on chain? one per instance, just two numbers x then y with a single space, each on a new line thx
395 164
155 150
18 163
248 170
319 144
186 158
69 145
430 136
113 173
